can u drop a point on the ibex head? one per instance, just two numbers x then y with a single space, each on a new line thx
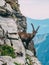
34 31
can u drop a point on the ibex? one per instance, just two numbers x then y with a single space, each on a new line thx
27 37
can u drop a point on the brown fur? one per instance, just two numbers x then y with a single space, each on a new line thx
27 37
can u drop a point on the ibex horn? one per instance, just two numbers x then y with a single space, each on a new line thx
37 28
32 26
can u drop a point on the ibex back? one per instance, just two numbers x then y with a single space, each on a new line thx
27 37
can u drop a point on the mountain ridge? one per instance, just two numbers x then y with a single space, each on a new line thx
43 54
44 25
37 19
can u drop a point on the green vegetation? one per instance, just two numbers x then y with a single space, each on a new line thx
29 59
16 63
6 50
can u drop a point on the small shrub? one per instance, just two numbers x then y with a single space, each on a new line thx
6 50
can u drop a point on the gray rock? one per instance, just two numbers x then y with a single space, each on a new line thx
28 52
14 23
8 24
1 32
4 12
35 61
31 47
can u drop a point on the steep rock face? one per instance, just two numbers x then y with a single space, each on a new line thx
31 47
21 19
9 8
12 21
9 25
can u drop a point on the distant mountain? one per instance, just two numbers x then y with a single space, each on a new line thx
43 50
44 25
41 40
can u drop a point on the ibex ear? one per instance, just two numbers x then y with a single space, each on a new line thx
37 28
32 26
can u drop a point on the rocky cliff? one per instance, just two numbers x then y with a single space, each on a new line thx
12 51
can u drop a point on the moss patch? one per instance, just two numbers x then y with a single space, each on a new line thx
6 50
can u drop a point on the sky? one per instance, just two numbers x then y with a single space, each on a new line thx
35 9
